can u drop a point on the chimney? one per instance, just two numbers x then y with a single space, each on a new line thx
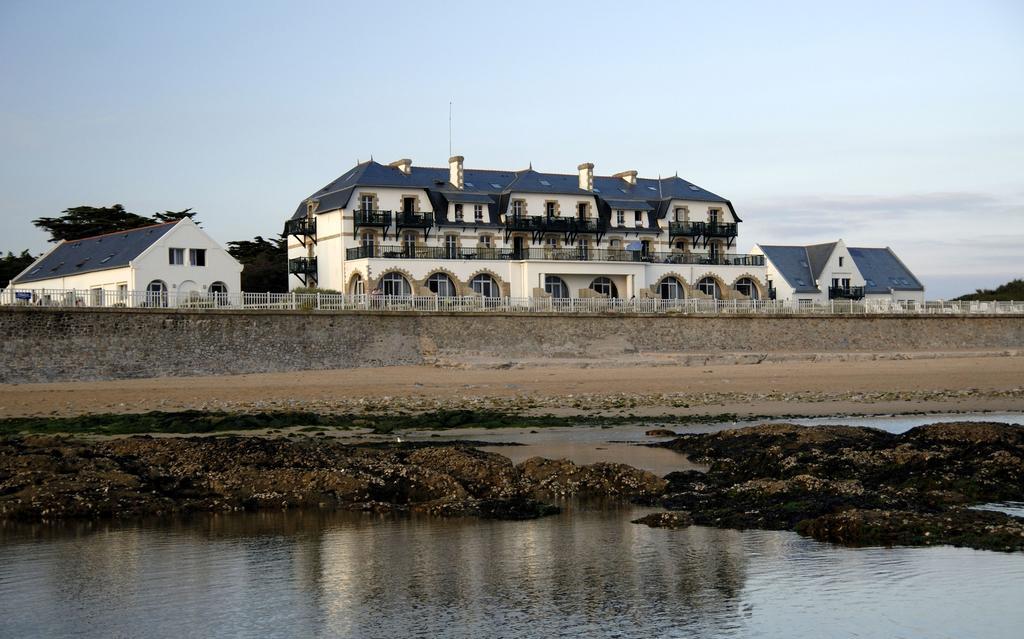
629 176
586 176
404 165
455 171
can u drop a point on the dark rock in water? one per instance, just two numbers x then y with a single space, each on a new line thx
53 477
783 476
661 432
515 508
666 520
960 527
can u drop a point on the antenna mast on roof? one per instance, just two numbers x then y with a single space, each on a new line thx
659 187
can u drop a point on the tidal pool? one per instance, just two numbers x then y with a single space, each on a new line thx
587 572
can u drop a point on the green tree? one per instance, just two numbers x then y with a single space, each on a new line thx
85 221
264 262
11 265
1012 291
174 216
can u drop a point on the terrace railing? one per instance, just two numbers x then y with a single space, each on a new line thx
562 254
213 300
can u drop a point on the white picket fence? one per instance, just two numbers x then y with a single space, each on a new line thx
98 298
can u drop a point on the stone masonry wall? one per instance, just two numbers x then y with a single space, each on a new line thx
40 345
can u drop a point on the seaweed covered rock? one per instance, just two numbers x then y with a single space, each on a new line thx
838 483
563 477
54 477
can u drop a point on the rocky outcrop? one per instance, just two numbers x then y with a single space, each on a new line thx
44 477
857 485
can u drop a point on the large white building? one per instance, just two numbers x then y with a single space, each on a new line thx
168 264
401 229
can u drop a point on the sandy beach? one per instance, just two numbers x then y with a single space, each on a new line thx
965 384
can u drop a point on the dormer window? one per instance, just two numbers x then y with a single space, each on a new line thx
458 212
638 218
478 212
620 217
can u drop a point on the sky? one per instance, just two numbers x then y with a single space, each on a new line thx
894 124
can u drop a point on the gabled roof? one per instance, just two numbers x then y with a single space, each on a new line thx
97 253
883 271
818 255
646 194
793 264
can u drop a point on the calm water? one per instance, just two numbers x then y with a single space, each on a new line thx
587 572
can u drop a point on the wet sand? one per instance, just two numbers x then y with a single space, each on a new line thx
780 388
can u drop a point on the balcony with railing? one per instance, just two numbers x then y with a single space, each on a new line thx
370 218
414 219
571 253
846 292
686 229
721 230
301 227
304 268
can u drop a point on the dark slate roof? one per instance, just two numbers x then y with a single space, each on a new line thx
467 197
647 192
98 253
638 205
793 265
883 271
817 257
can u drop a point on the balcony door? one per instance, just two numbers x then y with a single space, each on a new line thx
408 205
581 211
517 247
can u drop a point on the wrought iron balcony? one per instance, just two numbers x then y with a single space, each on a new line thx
846 292
409 219
569 253
301 227
302 266
720 230
686 229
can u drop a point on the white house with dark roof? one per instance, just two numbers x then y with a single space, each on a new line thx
401 229
821 272
172 263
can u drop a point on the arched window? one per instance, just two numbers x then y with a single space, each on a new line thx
441 285
357 286
484 285
395 284
556 287
709 287
218 292
156 293
746 286
671 289
604 286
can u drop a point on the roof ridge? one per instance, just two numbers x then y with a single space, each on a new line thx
132 230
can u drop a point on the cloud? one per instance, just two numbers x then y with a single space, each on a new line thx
944 234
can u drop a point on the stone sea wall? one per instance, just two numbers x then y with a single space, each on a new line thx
39 345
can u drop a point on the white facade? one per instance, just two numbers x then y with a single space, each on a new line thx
636 254
198 265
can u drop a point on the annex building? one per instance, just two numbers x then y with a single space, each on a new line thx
399 230
158 265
